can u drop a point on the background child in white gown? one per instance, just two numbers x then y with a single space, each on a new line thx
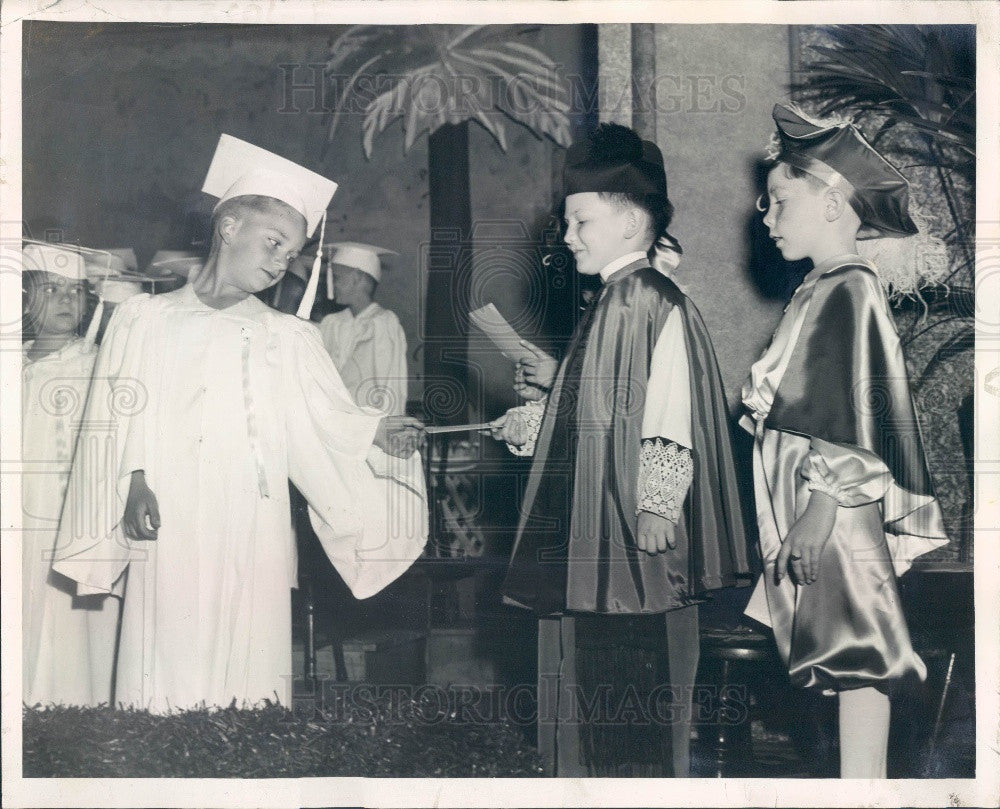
68 641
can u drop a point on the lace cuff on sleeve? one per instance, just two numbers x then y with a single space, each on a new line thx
666 471
531 414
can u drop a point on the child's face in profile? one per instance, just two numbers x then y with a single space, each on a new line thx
595 231
262 246
795 213
56 305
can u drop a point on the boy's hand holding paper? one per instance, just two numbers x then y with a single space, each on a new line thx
537 368
534 366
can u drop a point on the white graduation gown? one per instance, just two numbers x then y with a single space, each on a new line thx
370 353
67 642
221 408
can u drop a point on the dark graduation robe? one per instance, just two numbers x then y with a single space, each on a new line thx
575 548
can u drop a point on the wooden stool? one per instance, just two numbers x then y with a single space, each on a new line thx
724 723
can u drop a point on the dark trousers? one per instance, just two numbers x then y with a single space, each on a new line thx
569 705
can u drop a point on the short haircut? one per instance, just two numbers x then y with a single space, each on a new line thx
814 182
659 208
256 203
795 173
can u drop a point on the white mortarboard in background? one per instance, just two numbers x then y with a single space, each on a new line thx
107 263
127 256
364 257
239 168
114 273
176 262
61 259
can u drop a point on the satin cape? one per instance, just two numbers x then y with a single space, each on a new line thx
575 547
845 384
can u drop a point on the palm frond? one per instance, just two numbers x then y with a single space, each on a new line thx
905 72
481 73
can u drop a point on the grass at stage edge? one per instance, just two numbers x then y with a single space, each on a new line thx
401 740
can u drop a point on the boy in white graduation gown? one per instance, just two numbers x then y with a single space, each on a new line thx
364 339
216 401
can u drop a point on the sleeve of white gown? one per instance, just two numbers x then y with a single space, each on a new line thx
91 547
368 510
851 475
390 363
666 468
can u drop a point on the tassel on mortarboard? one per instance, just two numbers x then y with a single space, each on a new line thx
309 297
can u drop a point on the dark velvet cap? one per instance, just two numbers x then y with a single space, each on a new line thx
614 159
881 197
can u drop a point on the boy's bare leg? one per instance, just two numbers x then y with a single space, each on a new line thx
864 733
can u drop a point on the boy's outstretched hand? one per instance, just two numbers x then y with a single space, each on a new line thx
142 513
399 435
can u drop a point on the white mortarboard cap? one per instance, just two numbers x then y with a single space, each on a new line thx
240 168
127 255
364 257
65 260
117 289
176 262
114 261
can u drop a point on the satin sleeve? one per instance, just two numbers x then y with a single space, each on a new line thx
851 475
854 477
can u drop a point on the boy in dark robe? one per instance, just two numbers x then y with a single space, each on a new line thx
631 514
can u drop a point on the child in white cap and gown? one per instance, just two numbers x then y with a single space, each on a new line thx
364 339
217 401
67 642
